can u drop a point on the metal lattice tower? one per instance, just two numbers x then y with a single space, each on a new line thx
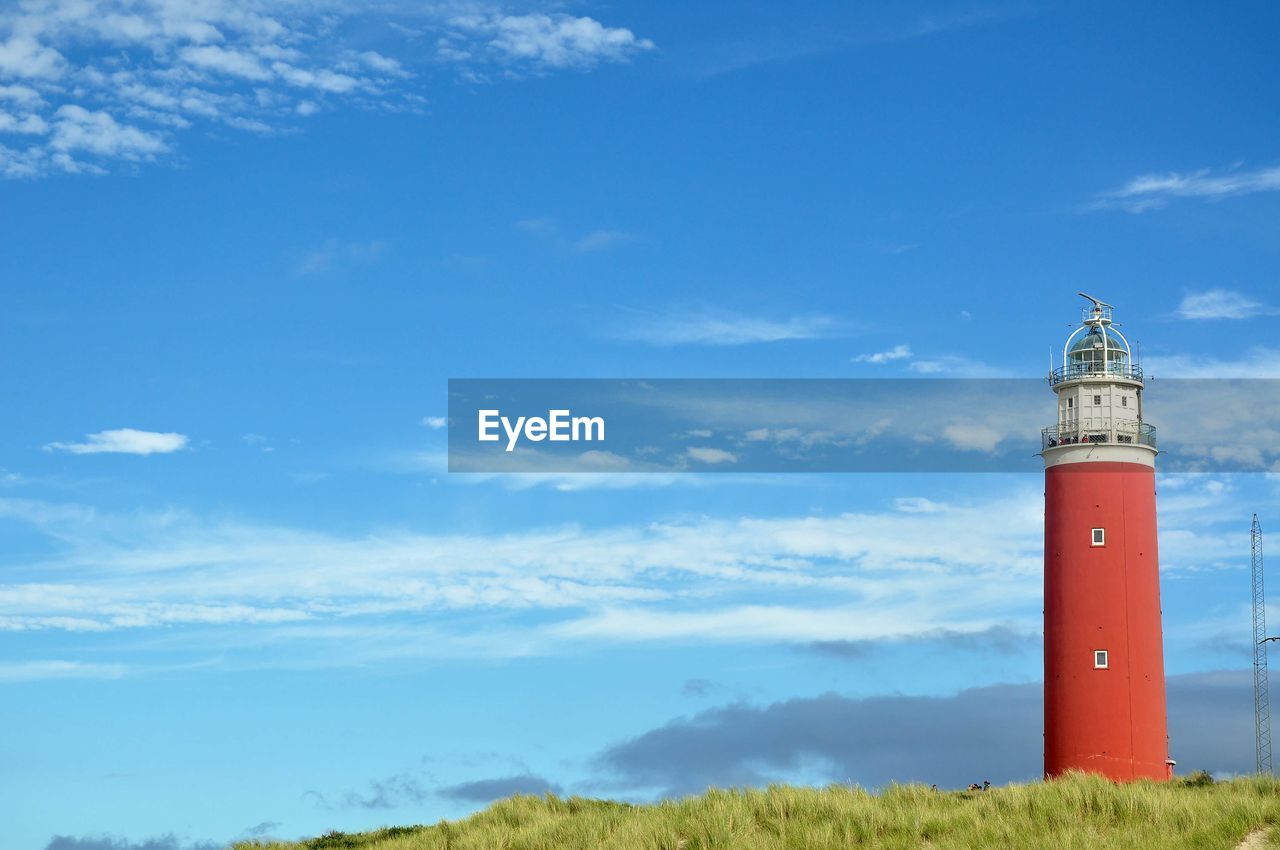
1261 693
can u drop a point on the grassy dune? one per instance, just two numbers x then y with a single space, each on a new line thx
1078 812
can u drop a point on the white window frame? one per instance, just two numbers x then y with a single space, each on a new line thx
1097 537
1101 655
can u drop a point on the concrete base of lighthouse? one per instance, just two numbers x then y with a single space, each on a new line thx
1103 713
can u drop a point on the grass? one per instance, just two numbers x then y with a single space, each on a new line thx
1084 812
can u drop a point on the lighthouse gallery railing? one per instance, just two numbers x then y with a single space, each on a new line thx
1054 436
1072 371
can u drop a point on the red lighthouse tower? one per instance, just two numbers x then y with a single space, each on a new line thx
1104 703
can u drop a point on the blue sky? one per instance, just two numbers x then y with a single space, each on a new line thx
245 245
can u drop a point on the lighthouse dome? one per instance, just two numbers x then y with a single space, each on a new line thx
1090 347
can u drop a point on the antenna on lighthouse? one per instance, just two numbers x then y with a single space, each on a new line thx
1099 316
1261 691
1097 305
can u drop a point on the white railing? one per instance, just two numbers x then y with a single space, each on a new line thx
1074 371
1143 435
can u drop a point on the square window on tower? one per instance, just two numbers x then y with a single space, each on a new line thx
1071 402
1097 399
1124 401
1099 659
1099 537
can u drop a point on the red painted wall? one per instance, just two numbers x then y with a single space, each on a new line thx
1108 721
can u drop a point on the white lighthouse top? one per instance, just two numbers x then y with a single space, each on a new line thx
1099 389
1096 349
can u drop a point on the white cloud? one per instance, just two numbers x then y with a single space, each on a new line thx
21 95
77 129
124 441
137 571
718 328
434 422
711 456
975 435
382 63
23 57
573 482
898 352
918 505
540 226
338 254
1152 191
1260 362
954 365
915 566
596 240
30 671
323 79
784 623
541 41
27 124
237 63
134 73
1219 304
1229 422
759 435
258 441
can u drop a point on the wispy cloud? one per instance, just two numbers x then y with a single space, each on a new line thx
708 327
599 471
258 441
794 38
977 435
435 423
911 567
954 365
598 240
590 242
1152 191
130 572
933 365
89 84
1220 304
337 254
1260 362
537 42
898 352
28 671
123 441
710 455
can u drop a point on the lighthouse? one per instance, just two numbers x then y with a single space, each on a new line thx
1104 699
